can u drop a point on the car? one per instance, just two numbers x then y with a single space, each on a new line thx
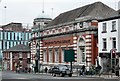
50 70
61 70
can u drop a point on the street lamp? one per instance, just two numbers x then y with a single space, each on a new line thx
5 7
37 56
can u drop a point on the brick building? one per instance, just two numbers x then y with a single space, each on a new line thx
76 29
18 55
13 34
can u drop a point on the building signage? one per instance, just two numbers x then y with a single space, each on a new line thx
59 41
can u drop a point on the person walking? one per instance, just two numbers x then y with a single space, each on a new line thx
117 70
83 70
18 70
87 70
46 69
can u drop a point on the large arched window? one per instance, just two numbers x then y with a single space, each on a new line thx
81 55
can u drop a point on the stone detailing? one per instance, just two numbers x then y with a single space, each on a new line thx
88 50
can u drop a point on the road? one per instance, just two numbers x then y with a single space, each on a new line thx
12 76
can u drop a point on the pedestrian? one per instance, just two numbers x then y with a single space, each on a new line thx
46 69
18 70
26 69
99 69
29 70
83 70
117 70
87 70
80 71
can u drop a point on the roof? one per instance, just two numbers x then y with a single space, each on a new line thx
97 9
19 48
110 18
118 12
43 15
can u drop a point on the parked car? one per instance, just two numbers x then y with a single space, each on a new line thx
50 70
61 70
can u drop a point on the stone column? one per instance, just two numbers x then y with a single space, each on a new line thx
11 63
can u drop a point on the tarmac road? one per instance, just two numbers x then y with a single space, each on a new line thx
12 76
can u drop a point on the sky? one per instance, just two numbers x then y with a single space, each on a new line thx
25 11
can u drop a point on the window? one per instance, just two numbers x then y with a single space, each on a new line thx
9 44
104 28
113 42
66 28
12 35
27 36
56 56
45 56
1 35
28 55
53 31
113 26
20 55
15 35
9 35
104 44
12 44
50 59
5 35
59 30
83 54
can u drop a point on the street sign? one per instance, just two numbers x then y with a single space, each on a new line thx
69 55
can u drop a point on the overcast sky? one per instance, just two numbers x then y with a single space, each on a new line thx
24 11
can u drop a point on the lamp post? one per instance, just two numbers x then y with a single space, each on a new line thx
37 56
5 7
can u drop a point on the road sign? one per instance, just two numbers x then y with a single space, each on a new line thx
69 55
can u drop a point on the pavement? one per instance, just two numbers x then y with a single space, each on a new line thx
113 76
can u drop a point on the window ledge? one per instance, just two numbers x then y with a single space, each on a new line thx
104 31
113 30
104 49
